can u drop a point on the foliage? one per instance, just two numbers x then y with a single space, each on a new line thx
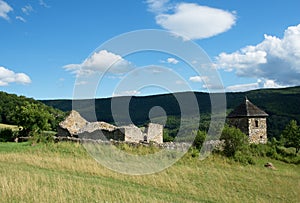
9 102
291 135
6 135
167 137
33 119
199 139
43 137
275 151
234 140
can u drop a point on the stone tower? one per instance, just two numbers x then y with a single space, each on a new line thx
250 120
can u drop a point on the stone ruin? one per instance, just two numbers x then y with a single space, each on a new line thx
76 126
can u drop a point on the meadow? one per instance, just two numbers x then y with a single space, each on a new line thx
64 172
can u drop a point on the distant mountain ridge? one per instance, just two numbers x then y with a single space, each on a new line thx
281 104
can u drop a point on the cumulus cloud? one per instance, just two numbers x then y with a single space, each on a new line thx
101 61
8 76
5 8
273 59
192 21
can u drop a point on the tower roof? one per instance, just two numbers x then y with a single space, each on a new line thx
247 109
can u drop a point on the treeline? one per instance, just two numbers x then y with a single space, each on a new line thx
282 105
11 105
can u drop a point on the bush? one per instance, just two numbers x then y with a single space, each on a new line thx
43 137
234 140
243 158
199 139
6 135
167 137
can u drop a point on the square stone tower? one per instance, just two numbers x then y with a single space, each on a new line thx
250 120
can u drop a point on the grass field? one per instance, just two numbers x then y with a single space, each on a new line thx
64 172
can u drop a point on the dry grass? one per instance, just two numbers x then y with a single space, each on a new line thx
13 127
65 173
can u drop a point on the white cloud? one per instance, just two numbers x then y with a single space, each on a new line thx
172 60
158 6
193 21
21 19
4 10
242 87
27 9
102 61
7 76
273 59
201 79
261 83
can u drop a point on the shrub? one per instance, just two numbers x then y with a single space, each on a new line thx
199 139
167 137
243 158
6 135
234 140
43 137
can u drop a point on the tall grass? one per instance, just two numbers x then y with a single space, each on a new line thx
64 172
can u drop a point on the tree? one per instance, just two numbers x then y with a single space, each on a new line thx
234 140
290 136
33 118
199 139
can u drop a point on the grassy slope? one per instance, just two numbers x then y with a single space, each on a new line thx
65 173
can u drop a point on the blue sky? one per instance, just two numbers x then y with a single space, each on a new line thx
47 44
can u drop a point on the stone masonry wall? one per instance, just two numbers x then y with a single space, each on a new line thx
257 130
241 123
155 133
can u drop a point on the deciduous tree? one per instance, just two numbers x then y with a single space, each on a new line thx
290 136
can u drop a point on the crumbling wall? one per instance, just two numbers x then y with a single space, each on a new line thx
76 126
155 133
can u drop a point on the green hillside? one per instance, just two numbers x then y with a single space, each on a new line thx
282 105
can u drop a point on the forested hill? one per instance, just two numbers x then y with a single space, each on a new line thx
282 105
9 102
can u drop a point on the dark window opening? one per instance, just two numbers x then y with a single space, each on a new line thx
256 123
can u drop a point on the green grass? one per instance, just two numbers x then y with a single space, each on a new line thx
64 172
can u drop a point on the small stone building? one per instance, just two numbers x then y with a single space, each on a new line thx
250 120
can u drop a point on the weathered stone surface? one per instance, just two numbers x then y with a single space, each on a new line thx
155 133
91 127
71 125
76 126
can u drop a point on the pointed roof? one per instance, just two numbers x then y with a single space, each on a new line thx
247 109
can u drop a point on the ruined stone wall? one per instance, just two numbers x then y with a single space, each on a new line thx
155 133
257 130
104 135
133 134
